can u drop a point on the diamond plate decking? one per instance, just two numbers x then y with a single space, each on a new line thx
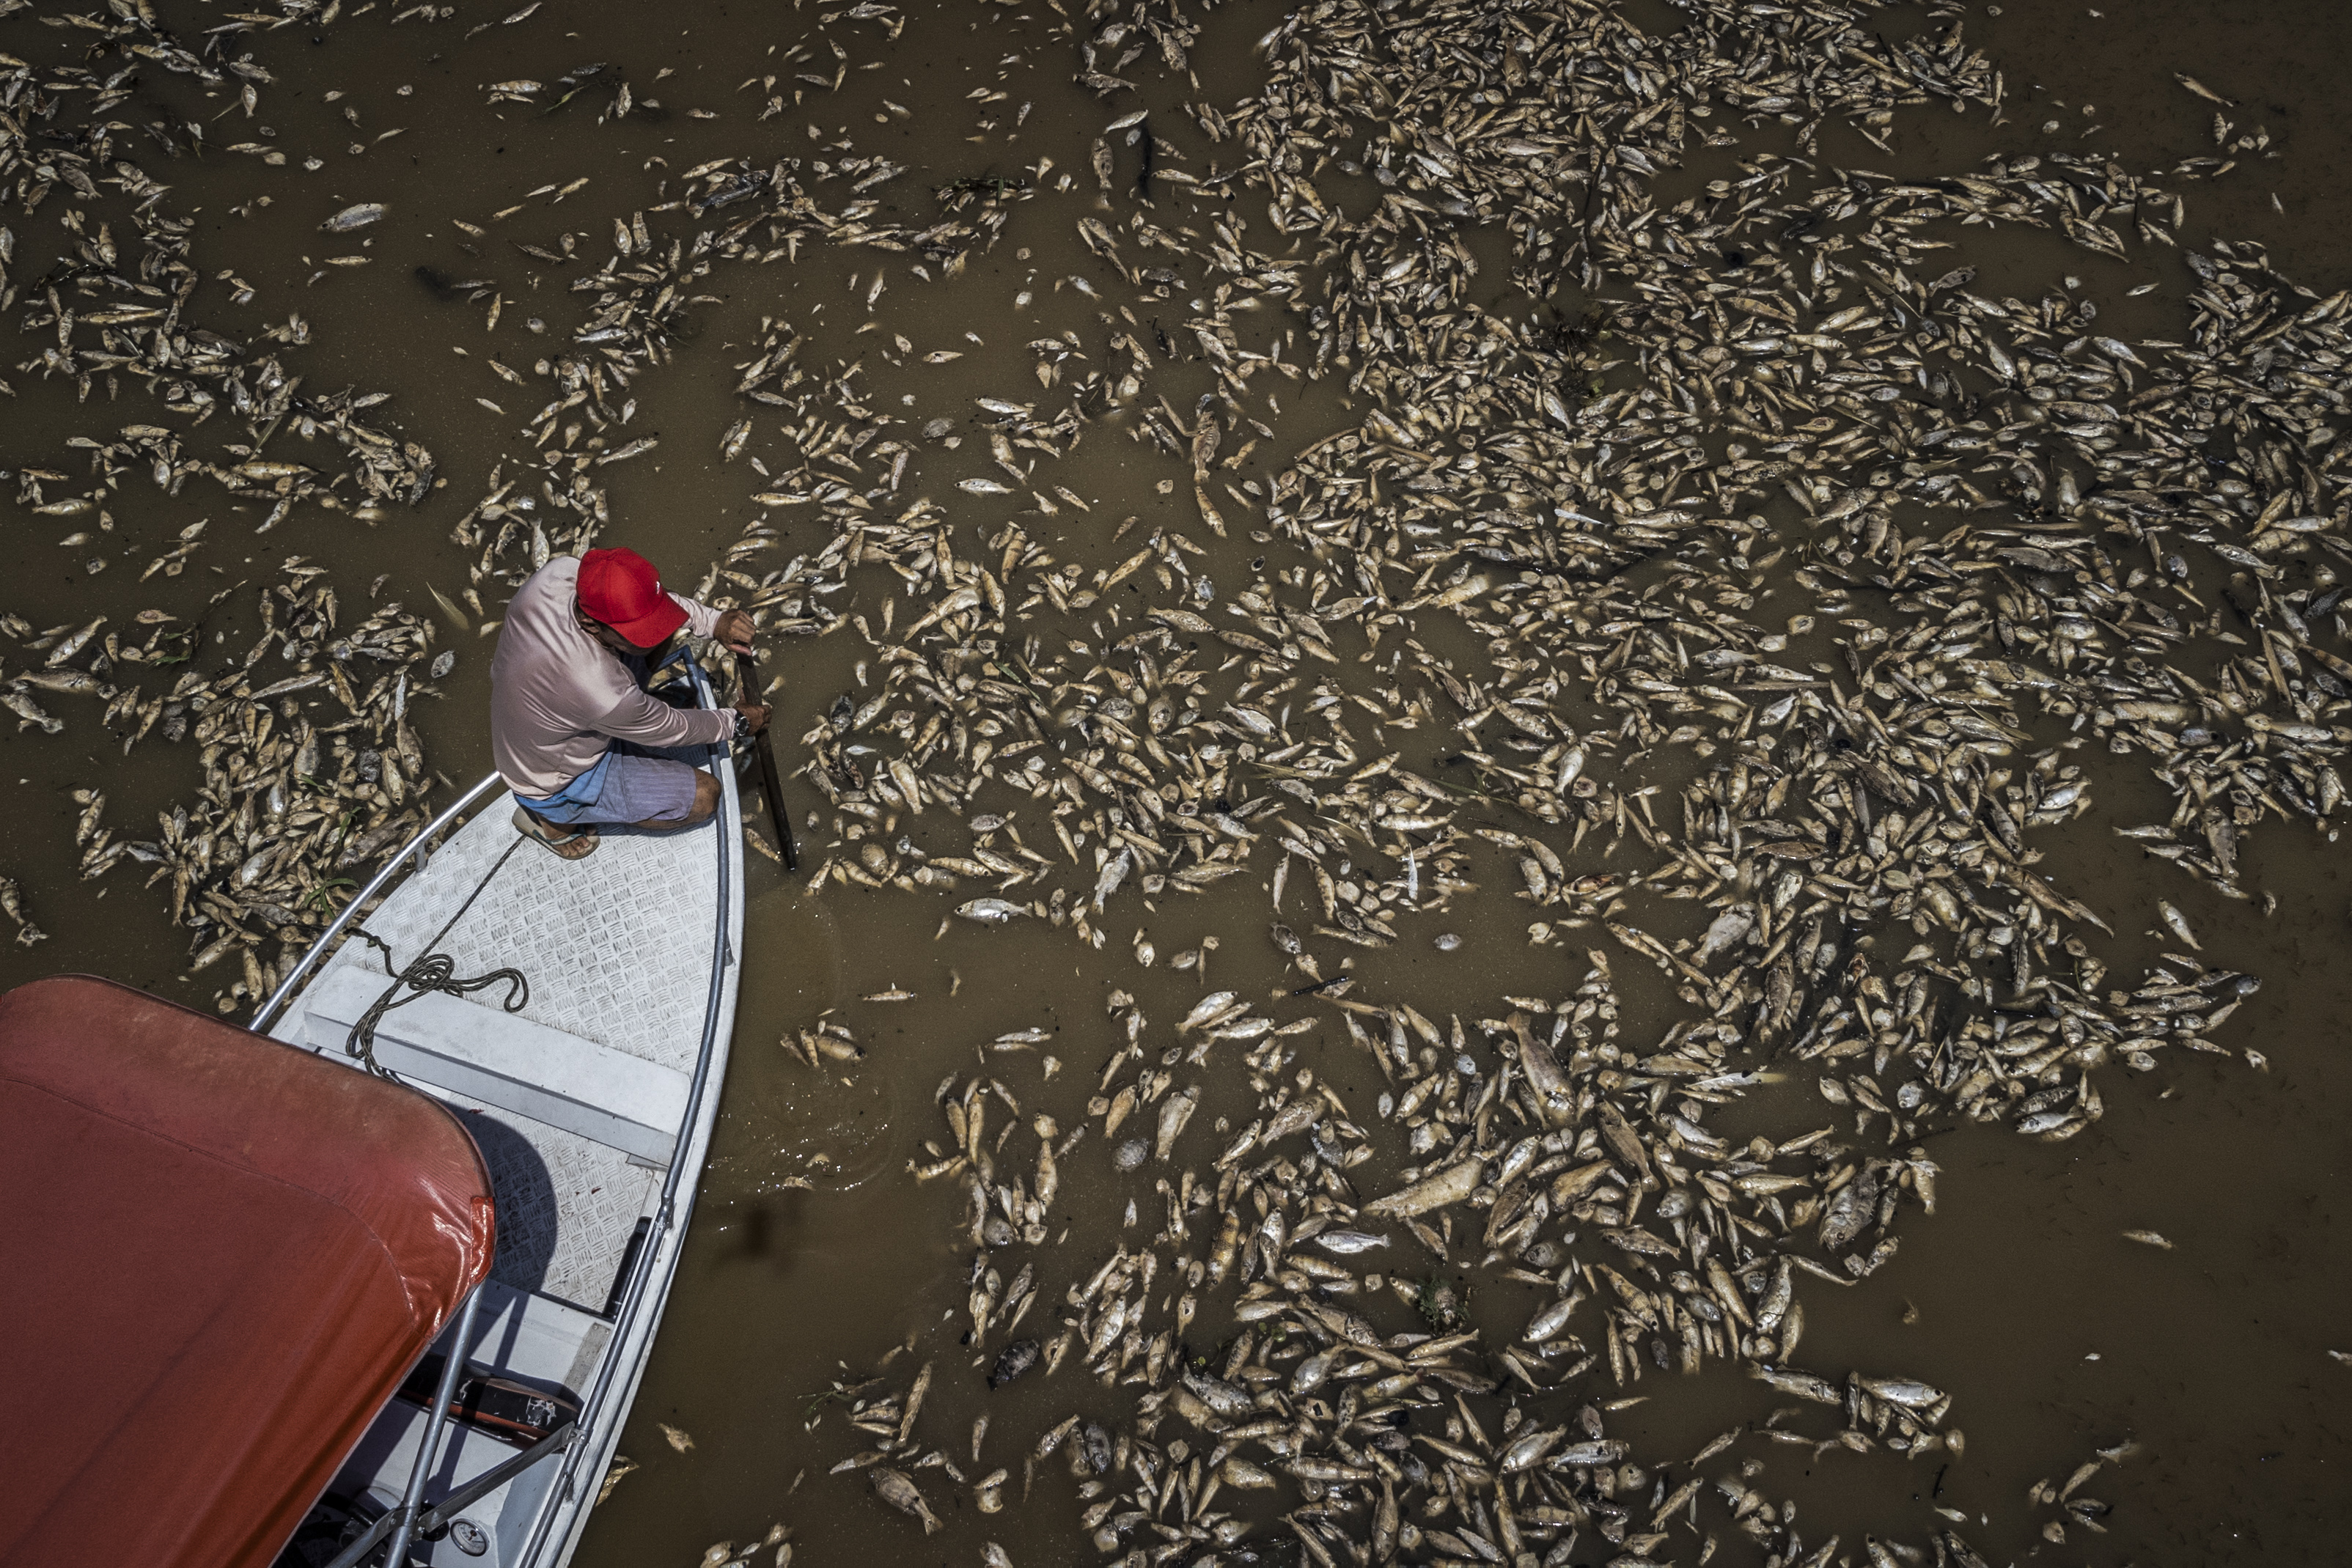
631 975
566 1206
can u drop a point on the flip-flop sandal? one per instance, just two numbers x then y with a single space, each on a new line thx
577 844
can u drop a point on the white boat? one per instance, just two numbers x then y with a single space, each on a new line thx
382 1298
230 1258
591 1103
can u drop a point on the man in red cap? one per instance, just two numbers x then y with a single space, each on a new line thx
577 734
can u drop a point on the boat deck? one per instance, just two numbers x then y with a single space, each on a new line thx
630 974
633 979
567 1204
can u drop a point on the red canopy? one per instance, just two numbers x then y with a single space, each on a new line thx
220 1255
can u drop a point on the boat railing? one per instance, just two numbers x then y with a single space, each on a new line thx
418 849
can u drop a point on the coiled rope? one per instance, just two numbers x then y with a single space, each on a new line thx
432 971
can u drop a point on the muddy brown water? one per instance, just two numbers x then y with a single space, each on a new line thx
812 1254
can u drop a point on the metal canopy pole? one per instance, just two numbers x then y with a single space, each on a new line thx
430 1444
366 1544
441 1514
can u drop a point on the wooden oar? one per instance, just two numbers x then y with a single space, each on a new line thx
771 786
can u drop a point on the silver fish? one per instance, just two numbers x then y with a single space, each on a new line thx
1348 1243
356 216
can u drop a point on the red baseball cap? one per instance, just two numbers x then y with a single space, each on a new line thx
621 588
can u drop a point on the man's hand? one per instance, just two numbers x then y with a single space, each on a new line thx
754 714
735 629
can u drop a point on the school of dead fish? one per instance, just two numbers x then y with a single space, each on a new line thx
2003 540
308 770
1631 732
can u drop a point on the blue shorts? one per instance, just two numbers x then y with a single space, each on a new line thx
628 784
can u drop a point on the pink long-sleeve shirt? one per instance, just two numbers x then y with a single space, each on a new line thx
559 698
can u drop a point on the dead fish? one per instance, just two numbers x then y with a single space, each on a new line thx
1909 1393
1452 1185
1576 1456
1618 1136
1528 1451
2147 1238
356 216
30 712
449 608
1314 1372
1012 1361
1240 1473
67 682
990 910
2202 91
72 644
1174 1112
1114 872
1213 1009
1548 1322
620 1469
1555 1095
1728 930
677 1438
1348 1243
900 1492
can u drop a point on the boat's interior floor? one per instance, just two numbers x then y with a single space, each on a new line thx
567 1204
574 1097
628 972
